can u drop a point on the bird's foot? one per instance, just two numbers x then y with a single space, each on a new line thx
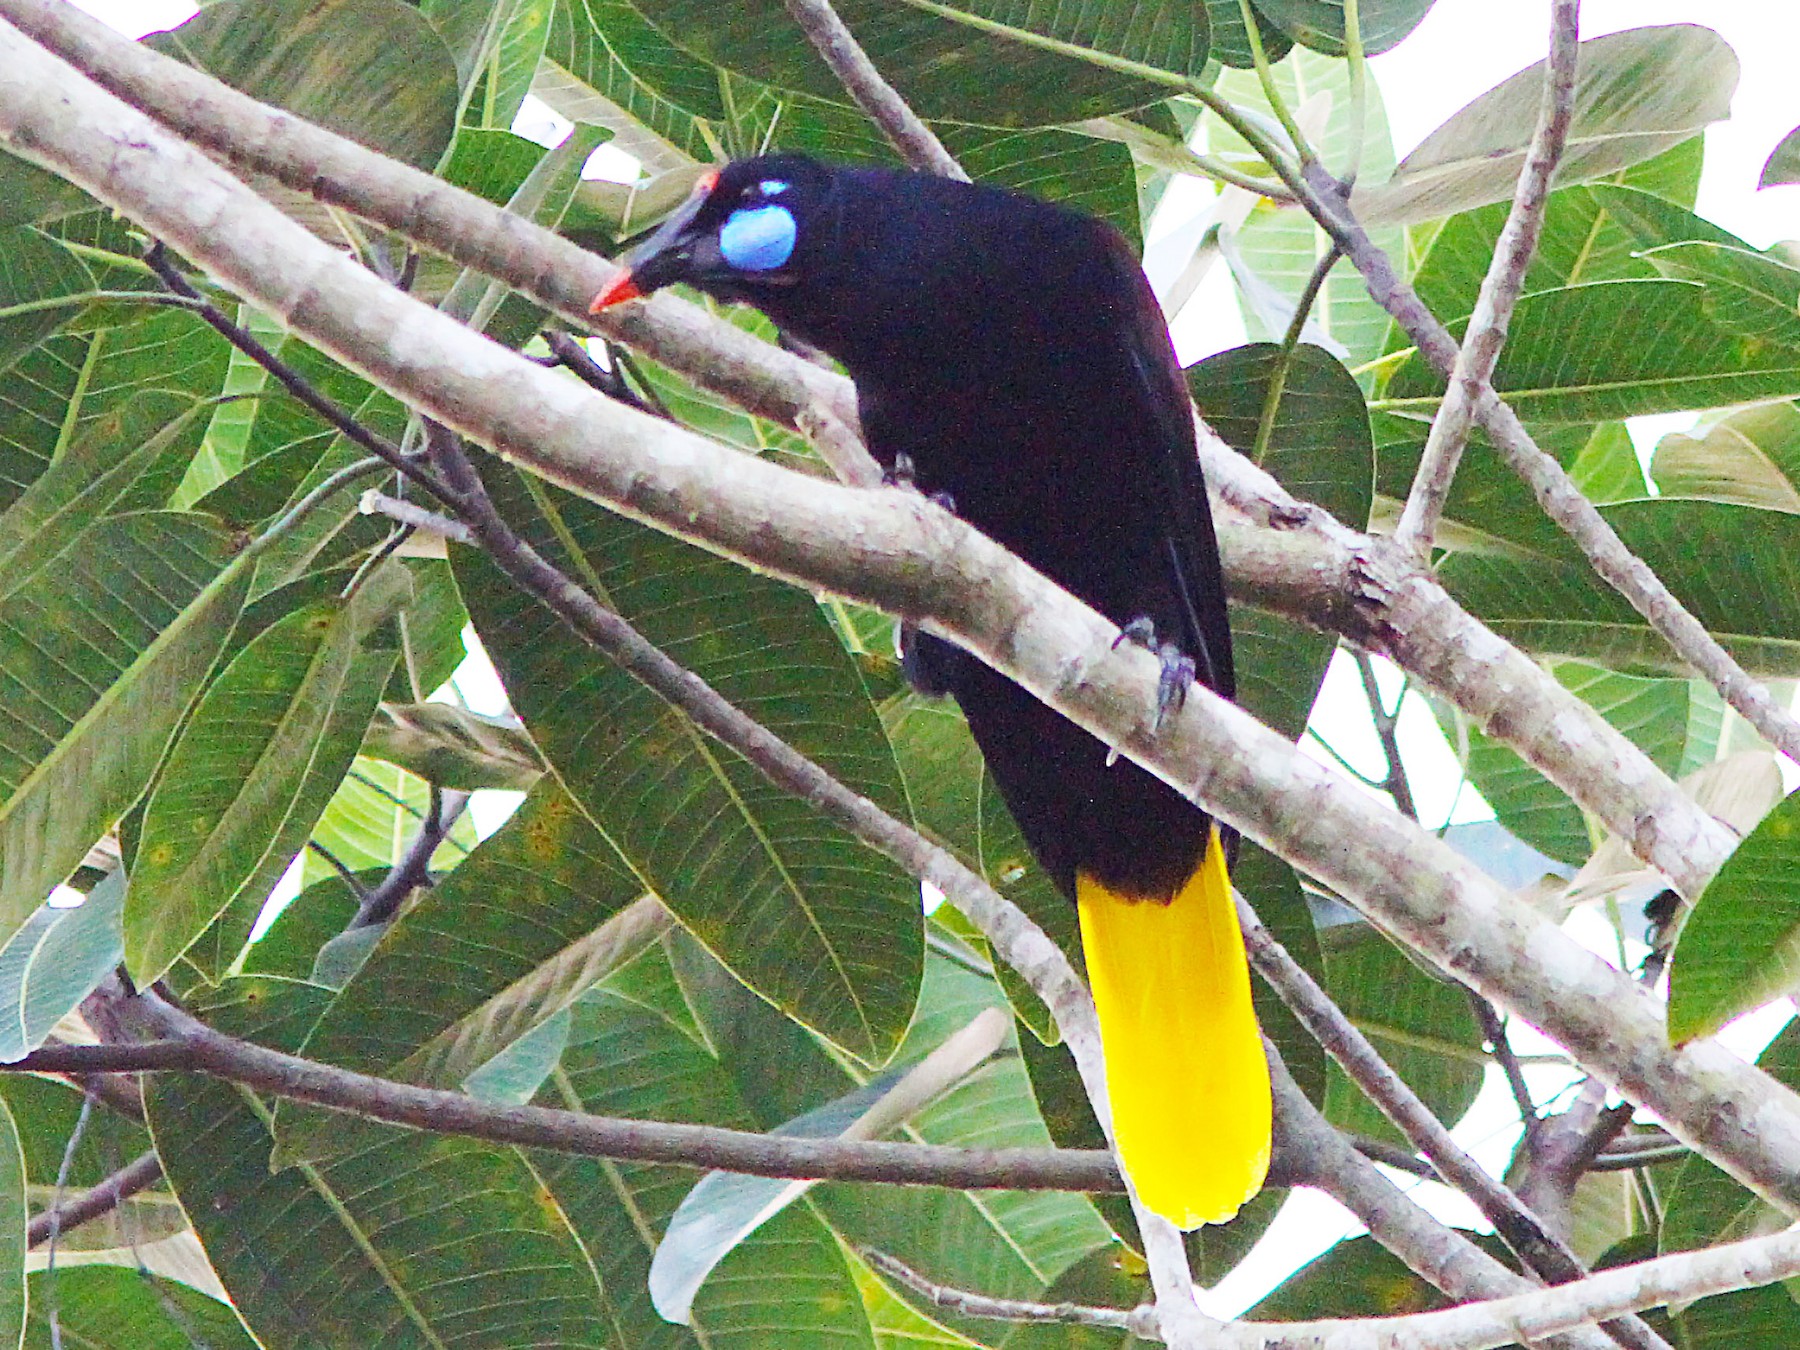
902 475
1178 668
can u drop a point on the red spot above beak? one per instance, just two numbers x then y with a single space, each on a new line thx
616 292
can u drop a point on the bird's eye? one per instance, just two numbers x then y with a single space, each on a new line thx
757 238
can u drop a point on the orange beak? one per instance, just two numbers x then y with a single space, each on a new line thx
623 285
616 292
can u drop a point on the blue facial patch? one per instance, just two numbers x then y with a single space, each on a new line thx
757 238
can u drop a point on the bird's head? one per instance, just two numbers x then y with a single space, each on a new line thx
743 235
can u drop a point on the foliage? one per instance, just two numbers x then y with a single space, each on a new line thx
190 666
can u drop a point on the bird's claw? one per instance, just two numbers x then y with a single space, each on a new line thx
903 475
1178 668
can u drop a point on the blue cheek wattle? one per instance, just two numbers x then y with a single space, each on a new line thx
757 238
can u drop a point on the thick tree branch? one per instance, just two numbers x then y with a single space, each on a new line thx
905 130
1315 570
1486 334
190 1046
103 1198
905 555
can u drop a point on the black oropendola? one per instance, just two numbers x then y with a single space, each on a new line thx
1009 358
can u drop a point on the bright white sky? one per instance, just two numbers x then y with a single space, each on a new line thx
1463 48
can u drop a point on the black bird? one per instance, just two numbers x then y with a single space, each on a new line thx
1008 354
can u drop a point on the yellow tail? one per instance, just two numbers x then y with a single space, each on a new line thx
1185 1069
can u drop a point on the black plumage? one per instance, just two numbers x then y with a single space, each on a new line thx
1012 350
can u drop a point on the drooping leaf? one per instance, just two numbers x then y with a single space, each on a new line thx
961 61
454 747
98 661
1740 947
1637 93
372 70
815 921
54 962
231 805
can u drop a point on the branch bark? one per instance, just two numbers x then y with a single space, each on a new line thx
188 1045
903 554
1486 334
103 1198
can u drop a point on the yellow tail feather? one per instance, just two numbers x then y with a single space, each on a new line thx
1185 1069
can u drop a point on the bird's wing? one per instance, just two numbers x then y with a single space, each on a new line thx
1182 511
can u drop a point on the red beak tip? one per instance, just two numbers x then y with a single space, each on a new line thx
616 292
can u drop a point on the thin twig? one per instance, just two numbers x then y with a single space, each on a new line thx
157 258
905 130
374 502
382 902
1480 350
55 1225
91 1204
190 1046
1284 361
1493 1027
573 357
1387 729
1139 1321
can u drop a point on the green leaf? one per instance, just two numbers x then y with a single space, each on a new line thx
99 658
1422 1026
1730 565
54 962
815 921
1783 164
114 389
457 978
1355 1278
1113 1277
1319 24
29 194
230 807
1231 42
1740 947
970 61
372 70
414 1243
1616 349
35 269
1747 457
491 163
310 920
785 1285
110 1308
1748 293
1637 93
371 819
1592 232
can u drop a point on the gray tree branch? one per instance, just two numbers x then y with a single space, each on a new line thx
1486 335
